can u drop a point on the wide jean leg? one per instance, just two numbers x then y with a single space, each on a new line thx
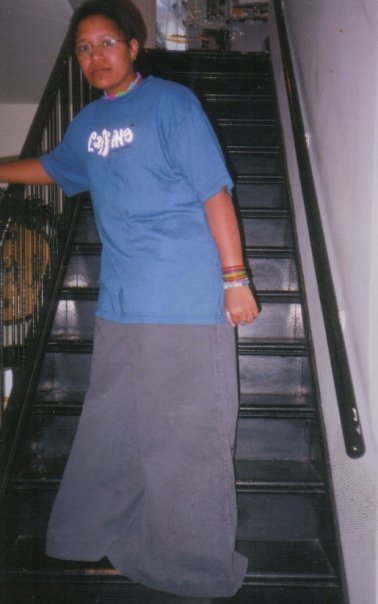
150 480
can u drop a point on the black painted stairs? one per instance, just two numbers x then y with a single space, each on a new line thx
286 523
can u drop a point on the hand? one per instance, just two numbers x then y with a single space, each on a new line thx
240 306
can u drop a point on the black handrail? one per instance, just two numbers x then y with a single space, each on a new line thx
36 224
352 431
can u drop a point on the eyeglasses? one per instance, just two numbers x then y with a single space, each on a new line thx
83 49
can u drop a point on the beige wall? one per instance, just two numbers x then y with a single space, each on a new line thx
148 10
335 53
15 120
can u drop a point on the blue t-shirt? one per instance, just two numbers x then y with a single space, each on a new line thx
150 160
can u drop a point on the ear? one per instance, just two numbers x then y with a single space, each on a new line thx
134 48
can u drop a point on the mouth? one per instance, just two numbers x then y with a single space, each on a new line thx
99 72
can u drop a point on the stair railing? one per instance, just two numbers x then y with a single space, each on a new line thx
35 222
351 426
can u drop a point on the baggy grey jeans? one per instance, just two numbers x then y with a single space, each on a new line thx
150 481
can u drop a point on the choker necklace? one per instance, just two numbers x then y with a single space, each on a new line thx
110 96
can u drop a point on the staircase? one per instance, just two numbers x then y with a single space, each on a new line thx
286 523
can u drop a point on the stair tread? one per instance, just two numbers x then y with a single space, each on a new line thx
273 347
294 559
275 560
285 473
60 395
277 474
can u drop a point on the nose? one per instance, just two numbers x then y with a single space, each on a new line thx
97 51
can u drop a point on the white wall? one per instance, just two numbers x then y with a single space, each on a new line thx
15 120
32 32
335 52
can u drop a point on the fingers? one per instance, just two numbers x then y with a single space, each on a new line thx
240 319
228 316
240 306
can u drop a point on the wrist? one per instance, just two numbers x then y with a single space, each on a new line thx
235 276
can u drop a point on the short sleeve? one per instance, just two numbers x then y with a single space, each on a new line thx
195 151
66 166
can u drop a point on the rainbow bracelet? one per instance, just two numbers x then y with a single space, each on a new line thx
235 276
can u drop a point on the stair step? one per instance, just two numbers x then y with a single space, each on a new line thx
257 437
269 252
279 275
257 109
253 192
286 348
251 476
86 231
256 86
264 232
60 401
82 271
79 293
278 476
281 516
257 213
248 347
74 345
280 318
274 375
259 400
61 371
280 563
251 161
249 133
201 62
82 248
68 590
264 372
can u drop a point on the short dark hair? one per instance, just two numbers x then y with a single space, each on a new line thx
122 12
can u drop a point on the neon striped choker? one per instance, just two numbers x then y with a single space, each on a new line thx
110 96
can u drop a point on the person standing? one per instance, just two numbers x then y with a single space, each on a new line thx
149 482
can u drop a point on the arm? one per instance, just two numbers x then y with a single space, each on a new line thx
25 172
240 304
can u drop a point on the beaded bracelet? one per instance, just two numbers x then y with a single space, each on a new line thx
235 276
232 284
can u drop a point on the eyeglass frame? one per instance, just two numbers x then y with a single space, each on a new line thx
105 45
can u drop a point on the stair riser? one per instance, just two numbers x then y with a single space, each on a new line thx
275 439
274 375
75 319
202 62
277 517
258 374
250 134
71 592
261 195
251 163
48 439
83 271
220 85
275 274
65 372
283 517
86 231
275 321
267 232
251 109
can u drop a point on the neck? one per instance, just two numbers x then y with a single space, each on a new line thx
113 95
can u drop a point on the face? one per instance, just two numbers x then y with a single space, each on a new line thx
107 68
